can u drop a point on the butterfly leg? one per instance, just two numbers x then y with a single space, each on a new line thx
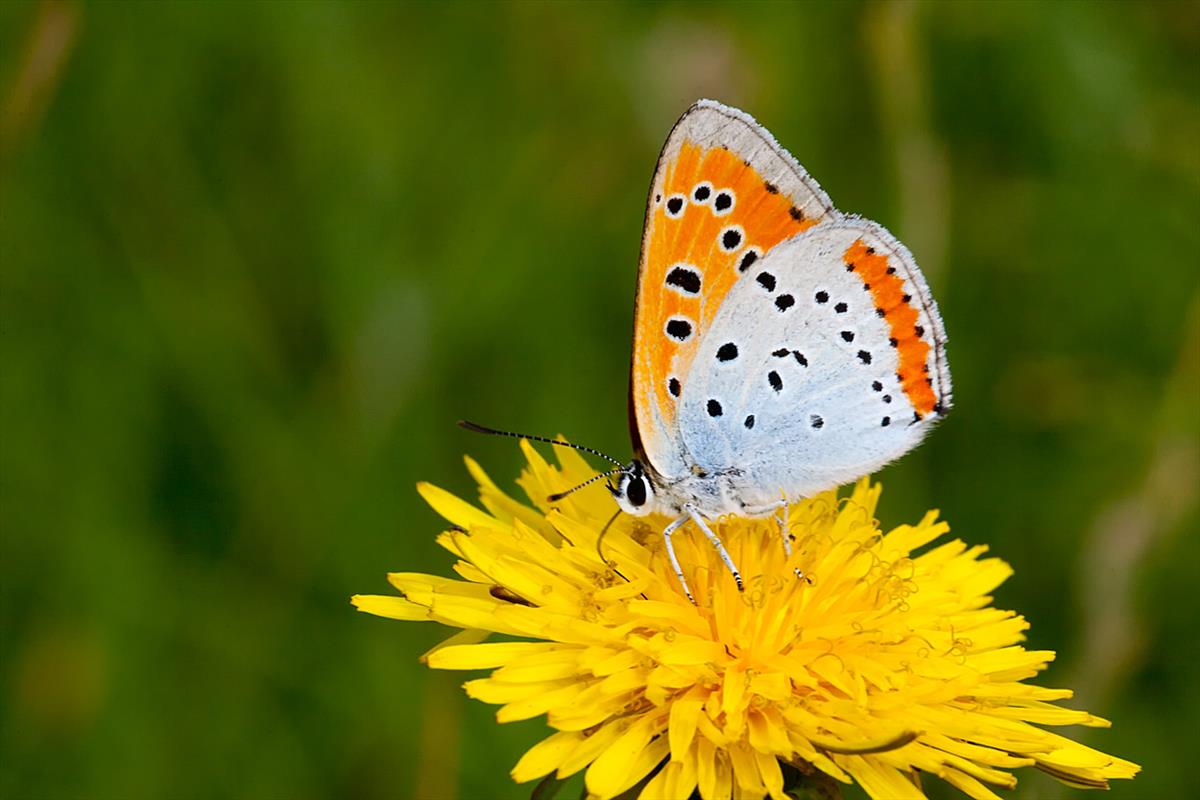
715 541
667 531
786 535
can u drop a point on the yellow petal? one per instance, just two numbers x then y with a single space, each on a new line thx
1077 757
657 787
983 755
745 770
623 681
768 733
713 773
1048 715
501 505
611 772
484 656
499 693
613 661
969 785
684 713
772 775
687 650
463 637
453 509
469 612
589 748
537 705
771 685
420 588
879 780
681 778
545 756
650 757
559 662
389 606
710 731
686 618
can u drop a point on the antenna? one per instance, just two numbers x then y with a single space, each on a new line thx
554 498
471 426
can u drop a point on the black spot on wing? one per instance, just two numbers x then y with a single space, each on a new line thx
679 329
686 279
731 238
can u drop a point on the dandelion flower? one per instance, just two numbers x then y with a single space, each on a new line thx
886 664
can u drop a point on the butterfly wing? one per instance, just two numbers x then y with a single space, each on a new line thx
825 361
724 194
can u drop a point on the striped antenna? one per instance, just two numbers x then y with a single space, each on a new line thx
471 426
554 498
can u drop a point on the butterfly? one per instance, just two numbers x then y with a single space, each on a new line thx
781 348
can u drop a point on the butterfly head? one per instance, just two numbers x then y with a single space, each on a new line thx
634 493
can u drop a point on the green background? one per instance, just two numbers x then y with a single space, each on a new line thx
256 260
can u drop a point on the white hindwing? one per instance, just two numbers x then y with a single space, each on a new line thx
794 388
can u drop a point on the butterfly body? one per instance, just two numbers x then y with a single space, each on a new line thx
781 348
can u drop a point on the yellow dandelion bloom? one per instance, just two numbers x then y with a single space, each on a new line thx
888 662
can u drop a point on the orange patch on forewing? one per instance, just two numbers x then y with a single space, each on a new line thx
765 218
887 290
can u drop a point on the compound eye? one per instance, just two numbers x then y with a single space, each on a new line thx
636 492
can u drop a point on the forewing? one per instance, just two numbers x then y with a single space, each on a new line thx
825 362
724 193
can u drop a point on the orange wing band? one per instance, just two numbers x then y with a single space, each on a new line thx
765 217
887 289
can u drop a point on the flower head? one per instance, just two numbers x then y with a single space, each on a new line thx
887 662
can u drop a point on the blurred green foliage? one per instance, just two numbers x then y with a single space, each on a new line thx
256 259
